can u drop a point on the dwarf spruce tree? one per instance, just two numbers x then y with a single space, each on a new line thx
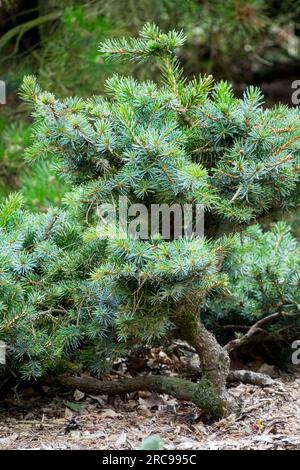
173 142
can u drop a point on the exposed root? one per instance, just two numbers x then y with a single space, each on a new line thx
249 377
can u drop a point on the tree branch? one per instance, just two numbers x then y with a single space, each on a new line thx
238 342
21 29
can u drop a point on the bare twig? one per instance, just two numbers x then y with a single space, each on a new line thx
238 342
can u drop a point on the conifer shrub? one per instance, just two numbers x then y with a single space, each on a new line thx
263 272
180 142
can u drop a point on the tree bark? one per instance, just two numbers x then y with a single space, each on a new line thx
203 394
235 376
214 359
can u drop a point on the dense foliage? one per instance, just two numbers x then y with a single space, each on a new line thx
263 273
179 142
46 299
88 296
59 45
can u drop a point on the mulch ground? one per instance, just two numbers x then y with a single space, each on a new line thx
269 418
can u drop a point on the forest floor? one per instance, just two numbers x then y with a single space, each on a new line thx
49 418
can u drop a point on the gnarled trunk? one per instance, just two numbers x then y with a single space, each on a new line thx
215 361
209 393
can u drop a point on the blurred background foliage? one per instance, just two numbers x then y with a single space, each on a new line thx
243 41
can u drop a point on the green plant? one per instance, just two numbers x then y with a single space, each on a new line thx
80 30
13 140
41 187
178 142
263 290
43 286
60 45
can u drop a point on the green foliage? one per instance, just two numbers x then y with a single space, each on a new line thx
263 278
65 50
43 287
69 58
62 52
41 187
152 42
13 140
70 295
7 4
149 280
178 142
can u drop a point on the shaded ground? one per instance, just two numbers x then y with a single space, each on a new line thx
269 419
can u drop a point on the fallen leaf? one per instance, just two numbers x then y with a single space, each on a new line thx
101 400
154 401
78 395
74 406
188 445
109 413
